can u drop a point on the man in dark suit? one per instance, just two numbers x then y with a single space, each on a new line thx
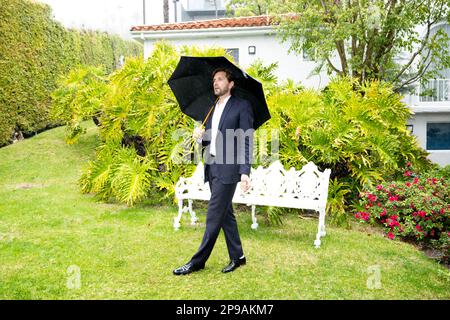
228 138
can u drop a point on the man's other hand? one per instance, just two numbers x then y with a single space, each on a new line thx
245 182
198 133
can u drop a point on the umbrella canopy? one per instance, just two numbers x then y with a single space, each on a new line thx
192 85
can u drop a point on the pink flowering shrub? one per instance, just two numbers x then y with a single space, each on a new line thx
417 208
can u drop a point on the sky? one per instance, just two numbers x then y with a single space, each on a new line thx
114 16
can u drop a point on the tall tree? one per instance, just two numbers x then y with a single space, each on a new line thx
393 40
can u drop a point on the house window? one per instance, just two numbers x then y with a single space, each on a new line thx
410 127
234 53
438 136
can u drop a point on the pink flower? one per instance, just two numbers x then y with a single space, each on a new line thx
416 180
418 228
408 184
393 224
391 235
383 213
392 198
408 164
362 215
379 187
371 197
407 173
421 213
393 221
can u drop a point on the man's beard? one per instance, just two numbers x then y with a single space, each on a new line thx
220 92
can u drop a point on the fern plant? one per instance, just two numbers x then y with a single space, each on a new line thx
131 176
139 106
79 96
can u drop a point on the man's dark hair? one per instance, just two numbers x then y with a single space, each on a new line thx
228 73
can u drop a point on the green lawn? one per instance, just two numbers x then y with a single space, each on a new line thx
48 230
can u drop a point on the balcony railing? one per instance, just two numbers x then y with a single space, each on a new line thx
437 90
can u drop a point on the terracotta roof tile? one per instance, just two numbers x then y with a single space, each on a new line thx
255 21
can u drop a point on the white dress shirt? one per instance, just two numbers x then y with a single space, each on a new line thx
217 114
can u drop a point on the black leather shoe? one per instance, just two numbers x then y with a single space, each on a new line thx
188 268
234 264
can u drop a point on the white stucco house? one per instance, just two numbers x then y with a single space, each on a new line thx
247 39
250 38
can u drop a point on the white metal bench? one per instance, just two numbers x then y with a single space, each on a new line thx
272 186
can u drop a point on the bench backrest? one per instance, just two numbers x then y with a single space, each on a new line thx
288 188
269 186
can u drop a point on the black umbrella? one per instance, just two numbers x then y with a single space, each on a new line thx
191 83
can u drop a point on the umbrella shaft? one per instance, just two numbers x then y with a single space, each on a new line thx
209 113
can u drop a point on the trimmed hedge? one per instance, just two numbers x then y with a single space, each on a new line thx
35 51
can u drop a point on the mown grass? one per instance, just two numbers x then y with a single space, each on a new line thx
48 230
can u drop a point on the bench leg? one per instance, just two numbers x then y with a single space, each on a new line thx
321 228
322 225
254 224
176 220
194 218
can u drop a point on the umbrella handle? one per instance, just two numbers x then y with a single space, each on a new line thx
207 116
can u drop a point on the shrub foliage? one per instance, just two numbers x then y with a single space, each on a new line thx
34 51
417 208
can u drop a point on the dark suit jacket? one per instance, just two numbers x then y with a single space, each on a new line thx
234 148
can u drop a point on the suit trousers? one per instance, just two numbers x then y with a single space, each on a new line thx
219 216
